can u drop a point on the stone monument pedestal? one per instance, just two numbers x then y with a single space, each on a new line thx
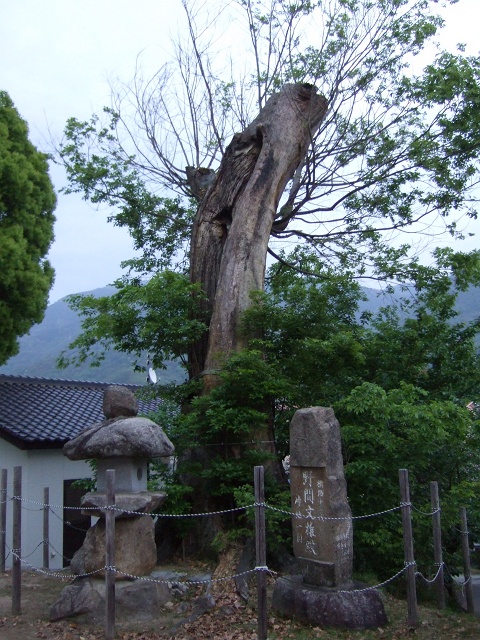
349 608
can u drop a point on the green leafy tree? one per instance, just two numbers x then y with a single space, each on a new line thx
27 202
399 382
436 440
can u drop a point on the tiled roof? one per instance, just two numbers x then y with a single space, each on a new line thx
39 413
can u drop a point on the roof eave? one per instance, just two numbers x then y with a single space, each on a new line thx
27 445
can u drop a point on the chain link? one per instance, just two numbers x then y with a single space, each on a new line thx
420 575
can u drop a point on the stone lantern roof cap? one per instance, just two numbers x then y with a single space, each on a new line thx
130 437
122 435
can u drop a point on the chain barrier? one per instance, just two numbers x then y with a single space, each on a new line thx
115 508
69 524
62 576
380 584
220 512
42 505
307 517
58 552
426 513
52 574
51 508
432 580
460 584
31 554
173 581
178 515
190 582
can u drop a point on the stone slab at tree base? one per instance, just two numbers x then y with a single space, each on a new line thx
136 600
346 608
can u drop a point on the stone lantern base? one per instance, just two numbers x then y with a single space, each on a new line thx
135 550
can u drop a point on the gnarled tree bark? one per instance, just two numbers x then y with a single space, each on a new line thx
234 220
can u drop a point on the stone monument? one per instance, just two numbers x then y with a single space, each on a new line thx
123 442
324 592
324 548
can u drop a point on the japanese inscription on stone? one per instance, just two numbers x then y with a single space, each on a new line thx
322 526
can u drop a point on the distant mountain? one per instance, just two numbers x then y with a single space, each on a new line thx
40 349
467 306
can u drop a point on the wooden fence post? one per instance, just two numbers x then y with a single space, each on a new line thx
110 557
467 571
412 617
3 518
17 542
261 553
46 532
437 544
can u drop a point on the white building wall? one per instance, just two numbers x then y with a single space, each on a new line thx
40 469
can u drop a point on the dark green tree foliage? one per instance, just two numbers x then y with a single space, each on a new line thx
399 383
27 202
405 427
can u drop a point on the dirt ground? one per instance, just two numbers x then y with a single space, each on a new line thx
40 591
229 619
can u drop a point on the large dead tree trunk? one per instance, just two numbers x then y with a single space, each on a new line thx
235 218
229 247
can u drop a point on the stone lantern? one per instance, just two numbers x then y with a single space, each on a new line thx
125 443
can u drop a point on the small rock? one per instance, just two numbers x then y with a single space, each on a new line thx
119 401
77 598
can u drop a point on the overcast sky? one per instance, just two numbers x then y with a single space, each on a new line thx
56 58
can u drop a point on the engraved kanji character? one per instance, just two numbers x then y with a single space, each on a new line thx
311 546
307 478
308 494
309 511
